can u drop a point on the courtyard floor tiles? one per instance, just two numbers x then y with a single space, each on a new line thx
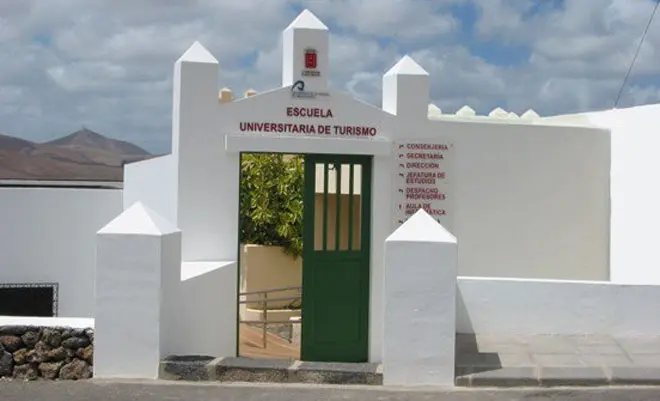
556 360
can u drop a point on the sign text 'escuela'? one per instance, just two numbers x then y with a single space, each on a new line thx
307 128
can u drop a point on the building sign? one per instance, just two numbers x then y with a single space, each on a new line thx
421 181
310 121
311 61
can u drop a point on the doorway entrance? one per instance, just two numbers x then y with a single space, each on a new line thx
328 280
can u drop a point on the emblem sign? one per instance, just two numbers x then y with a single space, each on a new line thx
298 91
310 58
311 62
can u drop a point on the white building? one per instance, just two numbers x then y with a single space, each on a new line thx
539 214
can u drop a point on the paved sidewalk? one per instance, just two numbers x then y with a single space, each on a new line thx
209 391
481 361
546 360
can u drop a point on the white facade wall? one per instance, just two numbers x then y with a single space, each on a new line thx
634 258
210 292
153 182
524 307
48 235
531 201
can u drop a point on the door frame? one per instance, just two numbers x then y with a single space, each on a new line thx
365 232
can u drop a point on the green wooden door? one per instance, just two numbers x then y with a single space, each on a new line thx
335 298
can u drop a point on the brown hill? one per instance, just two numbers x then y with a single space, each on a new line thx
10 143
86 139
83 155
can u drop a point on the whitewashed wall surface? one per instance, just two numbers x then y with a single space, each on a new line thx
48 235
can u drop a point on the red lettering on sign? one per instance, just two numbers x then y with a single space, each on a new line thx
308 112
436 156
293 128
427 146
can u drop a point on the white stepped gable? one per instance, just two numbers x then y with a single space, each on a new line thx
466 111
434 110
530 115
498 113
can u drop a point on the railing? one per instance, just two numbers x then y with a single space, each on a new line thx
264 300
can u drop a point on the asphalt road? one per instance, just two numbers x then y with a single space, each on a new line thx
166 391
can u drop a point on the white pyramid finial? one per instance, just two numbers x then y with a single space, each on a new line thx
434 110
466 111
198 54
307 20
498 113
421 227
530 115
406 66
139 219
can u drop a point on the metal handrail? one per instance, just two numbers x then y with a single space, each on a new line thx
264 302
280 289
271 321
249 301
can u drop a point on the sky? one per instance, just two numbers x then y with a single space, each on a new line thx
107 64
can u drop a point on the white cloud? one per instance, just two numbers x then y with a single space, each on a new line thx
108 63
85 76
407 20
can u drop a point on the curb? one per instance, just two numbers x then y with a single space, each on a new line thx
230 369
206 368
577 376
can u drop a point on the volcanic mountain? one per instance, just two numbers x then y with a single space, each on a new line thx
86 139
83 155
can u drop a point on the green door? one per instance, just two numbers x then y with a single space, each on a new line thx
335 297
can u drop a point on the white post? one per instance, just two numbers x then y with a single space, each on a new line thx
138 258
305 53
205 212
420 304
406 90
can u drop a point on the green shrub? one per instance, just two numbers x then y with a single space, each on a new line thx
271 201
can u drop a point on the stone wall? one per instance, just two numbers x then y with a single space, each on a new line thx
31 353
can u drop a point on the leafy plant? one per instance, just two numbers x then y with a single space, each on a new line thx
271 201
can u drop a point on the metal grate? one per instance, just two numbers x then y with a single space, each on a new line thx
53 286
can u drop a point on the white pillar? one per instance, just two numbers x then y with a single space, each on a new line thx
406 90
207 182
195 92
138 258
305 53
420 304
